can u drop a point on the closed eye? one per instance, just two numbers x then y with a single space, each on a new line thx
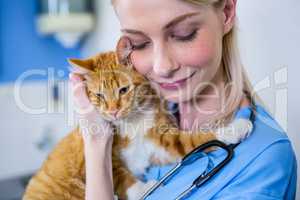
188 37
140 46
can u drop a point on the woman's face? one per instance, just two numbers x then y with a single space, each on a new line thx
177 45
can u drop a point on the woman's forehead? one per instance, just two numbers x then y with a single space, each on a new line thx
139 14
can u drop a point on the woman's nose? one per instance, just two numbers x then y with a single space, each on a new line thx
163 63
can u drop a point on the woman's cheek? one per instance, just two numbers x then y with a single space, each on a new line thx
140 62
199 53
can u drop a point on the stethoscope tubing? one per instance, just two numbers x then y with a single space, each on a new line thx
204 177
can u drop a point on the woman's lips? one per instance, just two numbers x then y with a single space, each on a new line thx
175 85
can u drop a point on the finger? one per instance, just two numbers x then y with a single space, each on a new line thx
75 77
79 91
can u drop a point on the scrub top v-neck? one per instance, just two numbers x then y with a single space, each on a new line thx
264 167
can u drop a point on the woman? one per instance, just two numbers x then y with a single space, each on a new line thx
187 49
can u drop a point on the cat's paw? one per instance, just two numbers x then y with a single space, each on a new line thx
235 132
137 190
116 197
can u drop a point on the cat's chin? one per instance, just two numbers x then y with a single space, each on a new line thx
112 120
116 120
109 119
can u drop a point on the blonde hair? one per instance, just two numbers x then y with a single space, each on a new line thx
234 71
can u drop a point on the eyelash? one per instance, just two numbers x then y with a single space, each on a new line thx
189 37
186 38
140 46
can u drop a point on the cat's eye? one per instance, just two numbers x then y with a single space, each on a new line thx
123 90
100 95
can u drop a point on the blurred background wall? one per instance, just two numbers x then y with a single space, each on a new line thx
269 42
22 47
25 139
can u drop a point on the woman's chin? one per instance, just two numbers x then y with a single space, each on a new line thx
176 97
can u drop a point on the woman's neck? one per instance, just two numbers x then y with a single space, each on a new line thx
197 112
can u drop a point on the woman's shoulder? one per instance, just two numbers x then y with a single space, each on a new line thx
266 129
270 174
265 163
268 148
267 136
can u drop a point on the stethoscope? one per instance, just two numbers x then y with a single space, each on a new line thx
190 158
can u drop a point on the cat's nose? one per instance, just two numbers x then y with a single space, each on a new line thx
113 113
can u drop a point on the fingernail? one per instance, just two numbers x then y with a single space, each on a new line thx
75 78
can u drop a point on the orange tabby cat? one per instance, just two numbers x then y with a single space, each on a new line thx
146 134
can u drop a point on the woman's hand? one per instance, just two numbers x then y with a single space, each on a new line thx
92 126
98 136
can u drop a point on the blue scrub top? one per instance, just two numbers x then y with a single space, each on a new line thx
264 167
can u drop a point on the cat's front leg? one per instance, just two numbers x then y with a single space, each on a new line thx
137 190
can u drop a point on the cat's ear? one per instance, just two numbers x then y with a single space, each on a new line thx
123 50
81 66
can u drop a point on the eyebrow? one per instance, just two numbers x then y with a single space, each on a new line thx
168 26
180 19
